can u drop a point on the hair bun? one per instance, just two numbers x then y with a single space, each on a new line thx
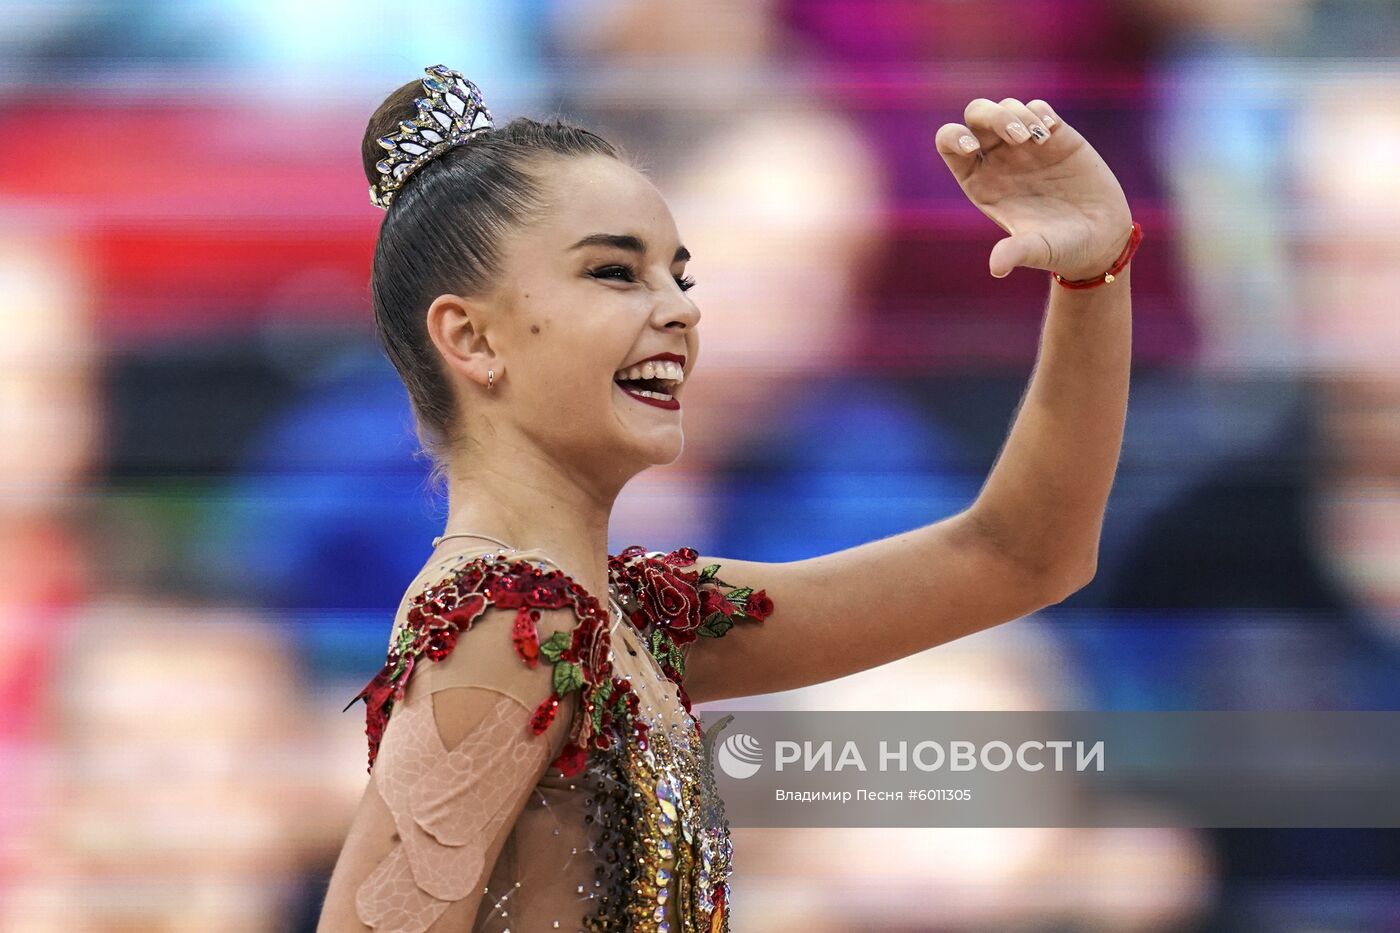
414 130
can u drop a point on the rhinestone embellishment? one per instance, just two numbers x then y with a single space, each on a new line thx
451 114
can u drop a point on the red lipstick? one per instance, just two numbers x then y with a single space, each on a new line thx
672 357
670 404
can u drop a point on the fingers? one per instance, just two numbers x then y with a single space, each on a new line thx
1009 121
1022 249
990 124
1045 114
959 147
1026 125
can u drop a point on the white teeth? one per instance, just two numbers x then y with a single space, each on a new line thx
661 395
670 371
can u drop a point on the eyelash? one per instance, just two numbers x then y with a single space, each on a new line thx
686 282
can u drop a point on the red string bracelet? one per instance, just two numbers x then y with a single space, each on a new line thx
1113 270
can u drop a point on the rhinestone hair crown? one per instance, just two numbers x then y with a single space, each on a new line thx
452 114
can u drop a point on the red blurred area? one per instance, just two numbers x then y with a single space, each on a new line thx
195 217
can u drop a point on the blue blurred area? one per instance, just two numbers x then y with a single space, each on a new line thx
330 508
851 461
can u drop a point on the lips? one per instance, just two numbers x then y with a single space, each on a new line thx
670 404
658 391
672 357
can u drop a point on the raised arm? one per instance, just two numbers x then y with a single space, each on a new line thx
1031 536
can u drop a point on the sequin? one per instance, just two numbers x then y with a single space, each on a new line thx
659 842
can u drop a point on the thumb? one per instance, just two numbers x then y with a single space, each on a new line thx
1021 249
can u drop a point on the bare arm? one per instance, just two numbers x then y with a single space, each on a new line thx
1028 541
1043 502
1031 537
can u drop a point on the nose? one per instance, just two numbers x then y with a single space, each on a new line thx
676 311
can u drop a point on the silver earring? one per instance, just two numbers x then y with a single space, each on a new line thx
490 379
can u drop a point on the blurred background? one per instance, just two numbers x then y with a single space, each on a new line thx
212 501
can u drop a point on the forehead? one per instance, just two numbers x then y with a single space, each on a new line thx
597 194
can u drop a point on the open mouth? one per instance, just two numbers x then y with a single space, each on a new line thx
651 391
650 388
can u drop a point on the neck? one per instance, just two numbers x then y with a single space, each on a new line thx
532 503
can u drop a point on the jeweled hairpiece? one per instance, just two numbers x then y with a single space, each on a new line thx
449 116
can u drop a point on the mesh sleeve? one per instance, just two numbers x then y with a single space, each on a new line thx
456 765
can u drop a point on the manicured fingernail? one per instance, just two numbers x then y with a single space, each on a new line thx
1048 120
1040 133
1018 132
968 143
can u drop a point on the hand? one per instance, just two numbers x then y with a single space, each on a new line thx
1039 180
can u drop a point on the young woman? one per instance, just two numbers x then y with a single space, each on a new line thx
541 768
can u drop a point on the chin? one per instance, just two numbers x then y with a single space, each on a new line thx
659 451
655 432
658 448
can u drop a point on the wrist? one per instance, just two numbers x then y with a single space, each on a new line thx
1102 264
1104 271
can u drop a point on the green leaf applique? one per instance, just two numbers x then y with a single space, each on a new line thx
568 675
555 645
716 624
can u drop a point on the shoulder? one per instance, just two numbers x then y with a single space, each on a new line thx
672 592
550 622
673 599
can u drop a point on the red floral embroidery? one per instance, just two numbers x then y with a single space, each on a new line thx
572 760
759 606
669 596
672 606
442 611
527 642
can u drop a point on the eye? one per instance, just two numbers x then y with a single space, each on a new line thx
628 274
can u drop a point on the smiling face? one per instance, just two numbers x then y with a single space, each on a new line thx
596 283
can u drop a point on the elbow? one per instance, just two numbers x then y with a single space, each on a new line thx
1071 580
1054 584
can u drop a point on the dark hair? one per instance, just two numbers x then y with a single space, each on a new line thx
442 235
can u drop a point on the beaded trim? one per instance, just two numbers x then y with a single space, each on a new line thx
659 812
657 804
445 609
669 606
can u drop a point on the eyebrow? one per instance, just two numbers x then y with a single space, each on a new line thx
627 241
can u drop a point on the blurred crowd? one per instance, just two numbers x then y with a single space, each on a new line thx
213 498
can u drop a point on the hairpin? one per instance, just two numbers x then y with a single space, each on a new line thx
449 116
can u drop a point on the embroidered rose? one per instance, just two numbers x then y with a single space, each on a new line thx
759 606
670 598
712 600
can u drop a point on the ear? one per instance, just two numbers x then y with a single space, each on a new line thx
458 327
